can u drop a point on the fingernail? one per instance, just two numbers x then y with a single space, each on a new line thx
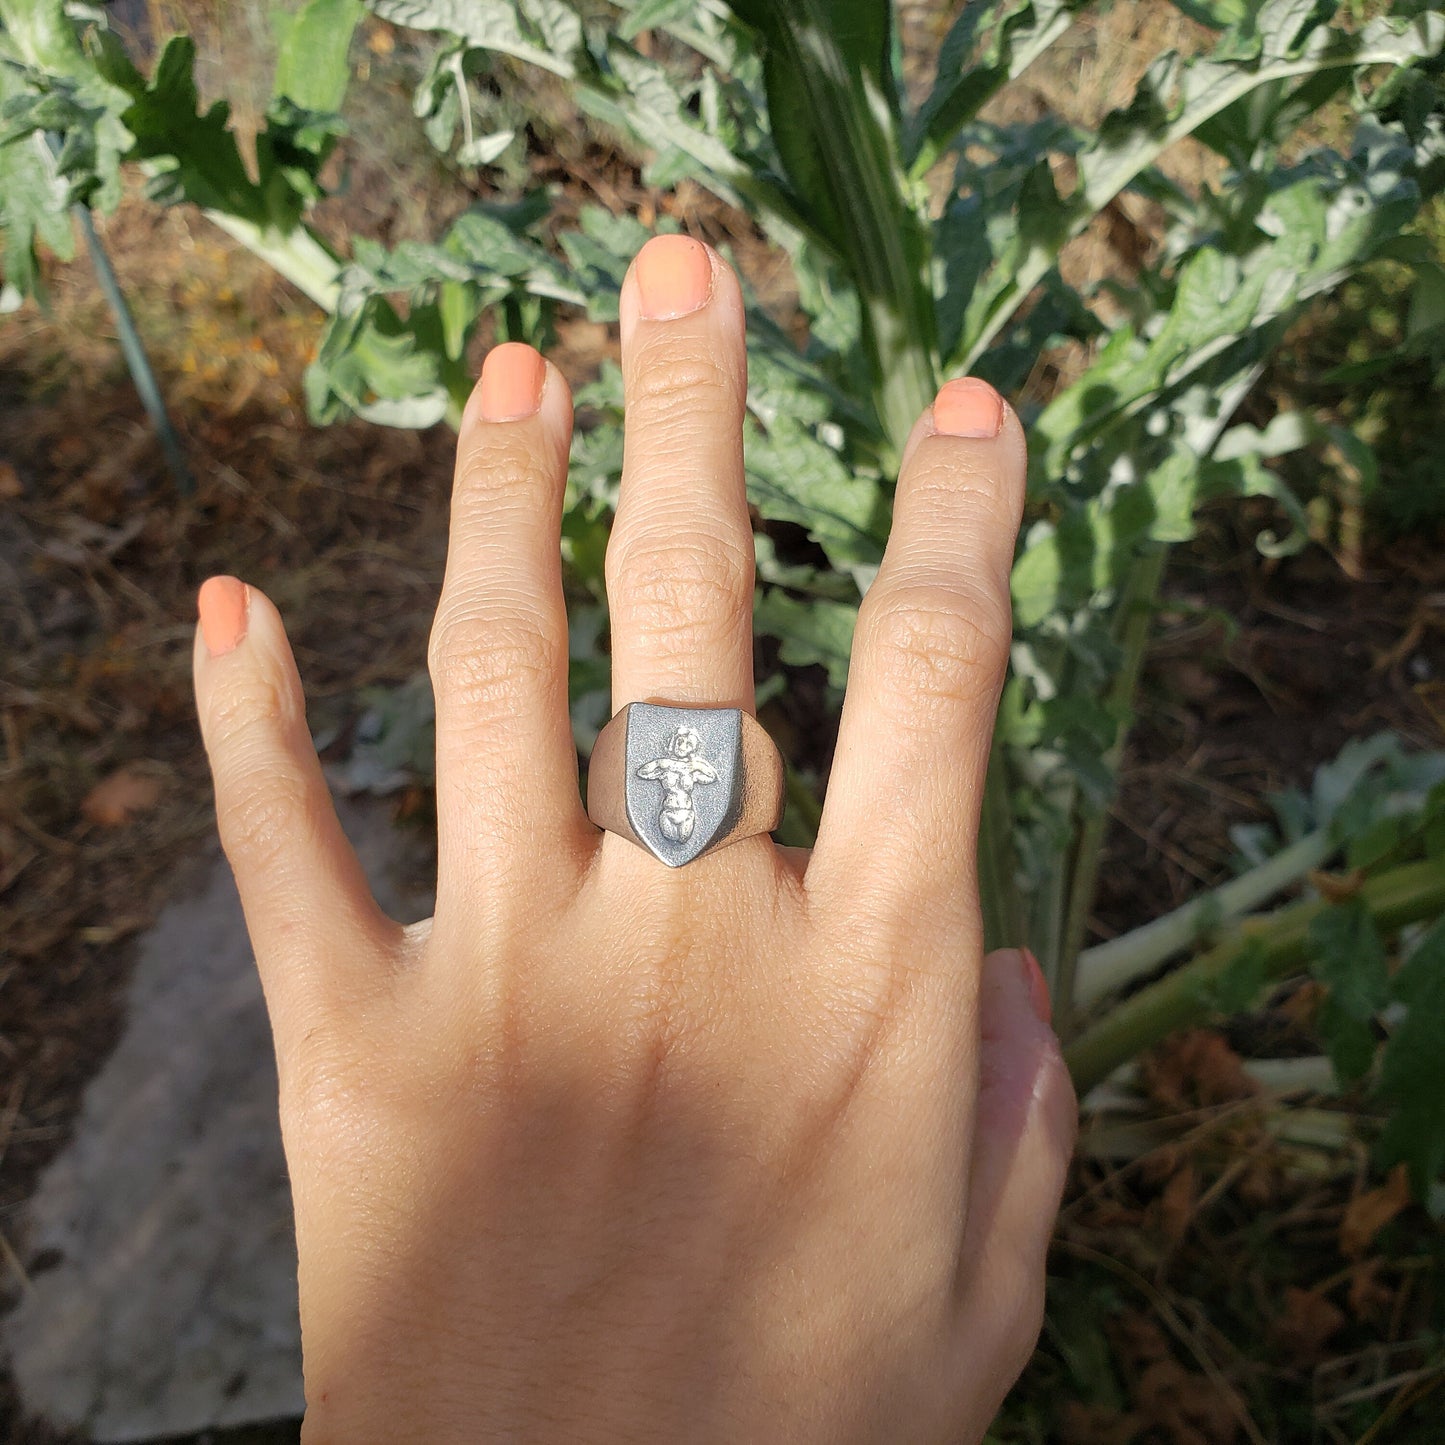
1038 988
512 377
223 603
674 277
967 408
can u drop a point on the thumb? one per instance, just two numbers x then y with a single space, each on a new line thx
1024 1132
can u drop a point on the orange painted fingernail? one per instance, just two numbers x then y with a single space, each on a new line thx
967 408
223 604
512 377
1038 988
674 277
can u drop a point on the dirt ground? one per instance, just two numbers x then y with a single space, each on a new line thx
1241 1293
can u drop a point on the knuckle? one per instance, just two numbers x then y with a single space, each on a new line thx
483 663
257 703
493 468
938 646
680 595
668 385
263 816
970 504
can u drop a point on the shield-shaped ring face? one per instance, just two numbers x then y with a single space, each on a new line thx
684 778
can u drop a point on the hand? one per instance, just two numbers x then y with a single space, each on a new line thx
758 1149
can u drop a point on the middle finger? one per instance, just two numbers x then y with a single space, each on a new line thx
680 561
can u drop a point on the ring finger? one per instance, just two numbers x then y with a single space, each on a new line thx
680 561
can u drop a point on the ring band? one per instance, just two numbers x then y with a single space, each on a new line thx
684 781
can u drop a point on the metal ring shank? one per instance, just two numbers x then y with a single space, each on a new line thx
681 782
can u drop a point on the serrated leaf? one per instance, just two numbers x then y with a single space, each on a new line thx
1174 99
196 153
794 477
987 46
33 201
1412 1072
545 38
1348 957
369 362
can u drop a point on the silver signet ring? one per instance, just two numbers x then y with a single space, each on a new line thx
683 781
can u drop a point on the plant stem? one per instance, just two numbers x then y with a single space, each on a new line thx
1112 965
999 901
298 256
132 348
1132 625
1186 995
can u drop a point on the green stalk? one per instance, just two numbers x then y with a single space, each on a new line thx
137 362
141 372
1186 996
1132 625
1109 966
298 256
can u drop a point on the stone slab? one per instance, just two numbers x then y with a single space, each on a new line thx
163 1285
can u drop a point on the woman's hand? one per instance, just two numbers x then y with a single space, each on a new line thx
758 1149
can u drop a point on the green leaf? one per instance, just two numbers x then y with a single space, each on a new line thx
654 13
1412 1073
44 36
812 632
794 477
1174 99
1014 33
834 116
312 67
370 363
196 153
482 150
1349 959
544 33
1239 986
33 200
1314 224
68 97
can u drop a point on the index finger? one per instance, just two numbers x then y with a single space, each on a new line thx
928 663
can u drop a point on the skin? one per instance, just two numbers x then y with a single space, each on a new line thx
759 1149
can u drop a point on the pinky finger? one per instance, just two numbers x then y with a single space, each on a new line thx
308 906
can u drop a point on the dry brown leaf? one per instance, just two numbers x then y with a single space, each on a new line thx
1337 887
1369 1300
1081 1424
1260 1183
1307 1324
115 801
1195 1068
1302 1003
1178 1202
1368 1213
1186 1407
103 933
1136 1336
